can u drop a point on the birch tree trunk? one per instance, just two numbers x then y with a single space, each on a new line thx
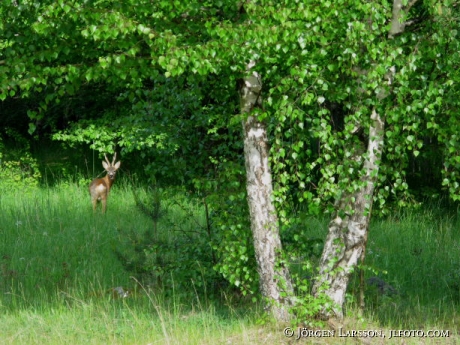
275 283
348 229
347 236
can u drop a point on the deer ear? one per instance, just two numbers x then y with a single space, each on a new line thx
117 165
105 165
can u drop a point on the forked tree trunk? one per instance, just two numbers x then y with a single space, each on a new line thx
347 236
275 284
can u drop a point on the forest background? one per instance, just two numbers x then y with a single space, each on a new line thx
356 108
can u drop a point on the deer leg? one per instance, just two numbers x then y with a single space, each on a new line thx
104 204
94 202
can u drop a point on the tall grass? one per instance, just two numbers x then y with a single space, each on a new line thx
119 322
420 252
59 268
58 272
52 242
412 268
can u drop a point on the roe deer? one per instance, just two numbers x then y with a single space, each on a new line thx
99 189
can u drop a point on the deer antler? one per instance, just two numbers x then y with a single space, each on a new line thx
114 158
107 160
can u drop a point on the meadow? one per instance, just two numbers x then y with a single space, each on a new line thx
60 277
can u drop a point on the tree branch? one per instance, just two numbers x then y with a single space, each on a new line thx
397 24
409 5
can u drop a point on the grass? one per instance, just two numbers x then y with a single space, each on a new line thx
58 269
104 323
415 257
51 239
420 253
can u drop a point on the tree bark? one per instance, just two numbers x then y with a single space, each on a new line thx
397 25
347 236
275 283
348 229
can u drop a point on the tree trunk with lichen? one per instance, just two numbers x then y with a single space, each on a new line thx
275 284
347 236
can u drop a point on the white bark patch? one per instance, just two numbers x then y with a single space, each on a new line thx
356 232
338 221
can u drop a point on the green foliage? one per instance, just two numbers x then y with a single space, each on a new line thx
225 197
178 125
18 169
177 249
235 246
162 61
20 174
442 112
